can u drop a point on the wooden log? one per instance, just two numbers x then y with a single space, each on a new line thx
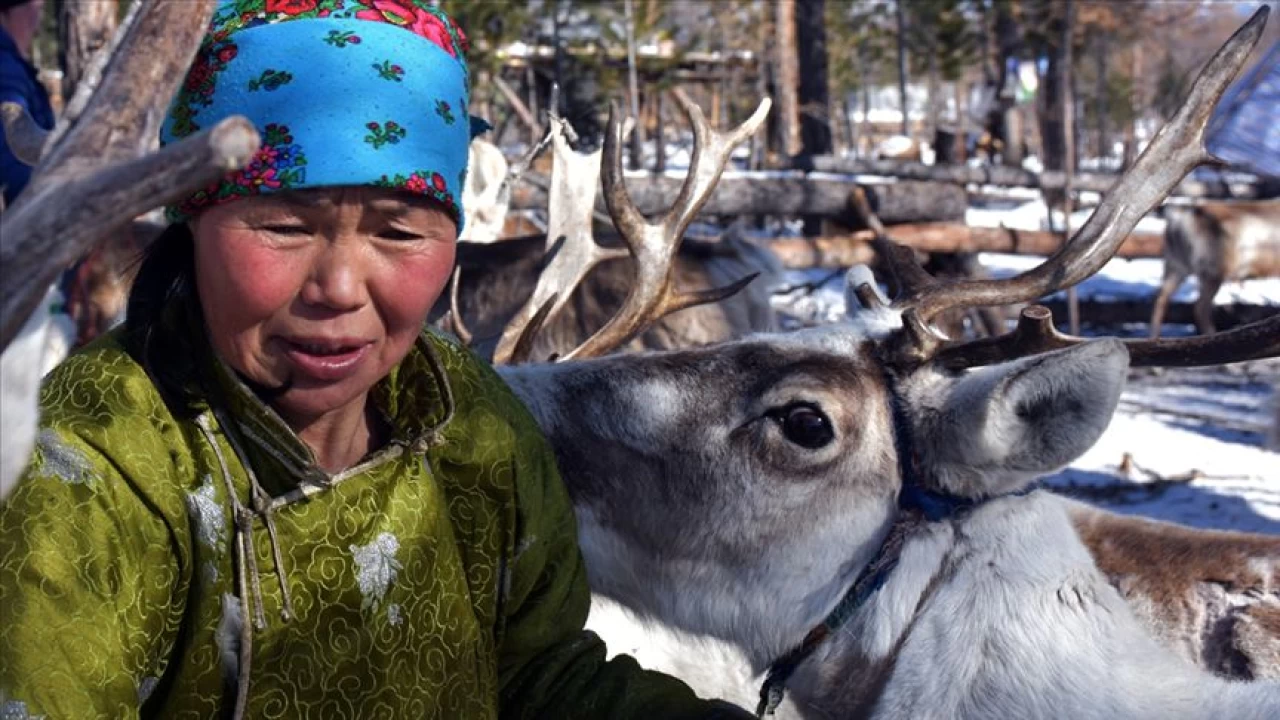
848 250
1017 177
785 193
1109 313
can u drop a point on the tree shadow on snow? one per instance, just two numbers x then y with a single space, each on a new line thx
1237 436
1175 501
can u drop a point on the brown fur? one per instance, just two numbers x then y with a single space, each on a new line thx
1205 240
100 285
1213 597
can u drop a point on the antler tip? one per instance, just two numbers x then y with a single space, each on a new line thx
235 140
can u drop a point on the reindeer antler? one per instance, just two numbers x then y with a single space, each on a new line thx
96 173
574 250
1176 149
654 244
1035 334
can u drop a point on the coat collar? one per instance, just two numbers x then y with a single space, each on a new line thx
414 398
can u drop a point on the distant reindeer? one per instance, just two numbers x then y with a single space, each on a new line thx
1216 242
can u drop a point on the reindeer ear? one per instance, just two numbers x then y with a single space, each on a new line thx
1005 425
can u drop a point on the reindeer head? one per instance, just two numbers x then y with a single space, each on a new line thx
737 490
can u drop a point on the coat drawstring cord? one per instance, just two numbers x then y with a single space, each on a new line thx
244 557
250 578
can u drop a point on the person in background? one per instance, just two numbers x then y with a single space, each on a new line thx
272 493
19 22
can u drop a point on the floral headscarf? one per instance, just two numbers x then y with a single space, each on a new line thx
343 92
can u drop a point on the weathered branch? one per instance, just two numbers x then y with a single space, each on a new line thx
513 99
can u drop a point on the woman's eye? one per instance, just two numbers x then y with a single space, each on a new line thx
400 235
287 230
803 424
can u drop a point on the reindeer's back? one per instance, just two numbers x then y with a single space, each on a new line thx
498 279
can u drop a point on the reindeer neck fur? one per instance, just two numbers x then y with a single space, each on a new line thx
1002 613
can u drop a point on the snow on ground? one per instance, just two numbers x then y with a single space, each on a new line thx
1195 444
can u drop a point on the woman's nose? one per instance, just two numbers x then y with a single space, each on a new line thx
337 278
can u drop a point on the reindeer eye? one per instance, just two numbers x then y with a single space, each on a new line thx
804 425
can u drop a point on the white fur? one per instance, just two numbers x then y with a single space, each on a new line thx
871 323
43 342
486 210
1023 625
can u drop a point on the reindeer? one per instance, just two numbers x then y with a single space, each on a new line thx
1216 242
853 507
776 459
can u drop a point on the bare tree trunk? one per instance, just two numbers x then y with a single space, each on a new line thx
850 130
761 142
788 77
659 132
1135 99
864 90
84 28
1051 102
637 135
522 111
1007 122
931 119
902 66
1102 109
813 90
715 104
1069 149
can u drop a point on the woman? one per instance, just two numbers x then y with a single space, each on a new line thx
271 494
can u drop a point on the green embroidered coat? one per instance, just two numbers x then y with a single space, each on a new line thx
439 578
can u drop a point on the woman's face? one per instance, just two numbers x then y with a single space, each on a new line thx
320 292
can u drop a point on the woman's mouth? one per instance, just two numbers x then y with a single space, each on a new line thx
327 360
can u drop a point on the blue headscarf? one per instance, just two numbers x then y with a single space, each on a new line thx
343 92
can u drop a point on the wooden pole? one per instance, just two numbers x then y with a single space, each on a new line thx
902 66
637 135
788 78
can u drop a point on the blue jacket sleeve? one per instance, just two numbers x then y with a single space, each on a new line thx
15 87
